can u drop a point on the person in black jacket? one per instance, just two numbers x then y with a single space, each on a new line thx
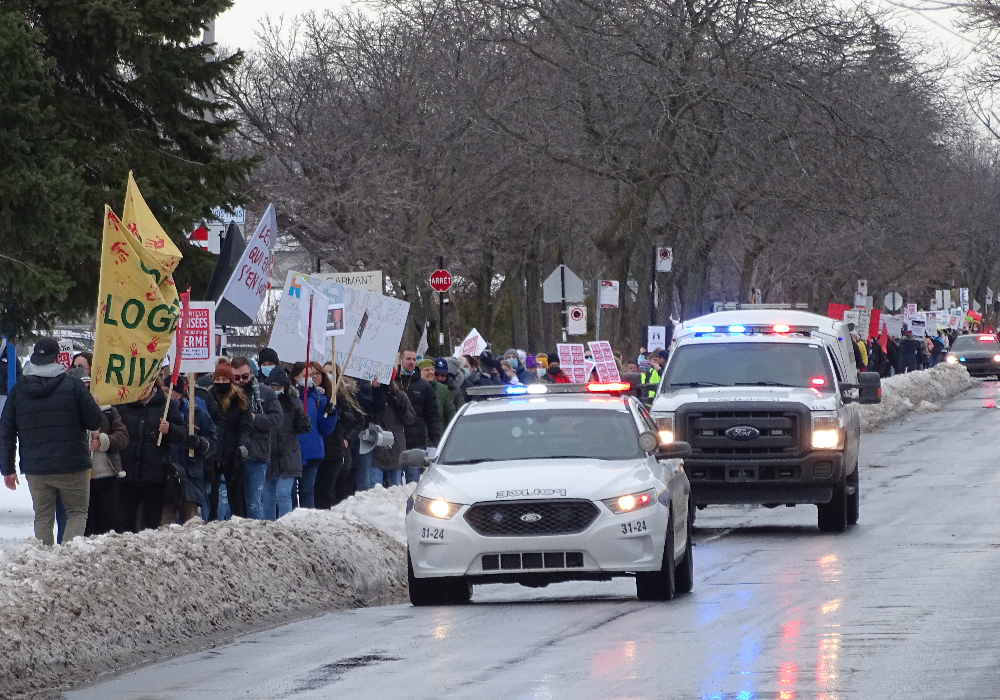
146 463
425 431
371 397
49 415
233 431
245 489
286 455
337 452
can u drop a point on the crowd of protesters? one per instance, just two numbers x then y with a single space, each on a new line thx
890 355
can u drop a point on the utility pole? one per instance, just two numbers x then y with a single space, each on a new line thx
652 289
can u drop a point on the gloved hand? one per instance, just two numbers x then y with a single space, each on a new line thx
244 452
192 442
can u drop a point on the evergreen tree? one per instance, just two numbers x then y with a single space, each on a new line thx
128 88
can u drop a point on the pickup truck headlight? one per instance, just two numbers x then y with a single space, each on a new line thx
436 507
665 428
827 433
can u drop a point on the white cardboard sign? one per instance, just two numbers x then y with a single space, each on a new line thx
252 276
370 280
607 370
374 354
572 361
199 352
473 345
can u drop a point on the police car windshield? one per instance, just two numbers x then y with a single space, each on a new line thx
542 434
749 364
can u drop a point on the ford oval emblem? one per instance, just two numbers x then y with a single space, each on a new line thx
742 432
531 517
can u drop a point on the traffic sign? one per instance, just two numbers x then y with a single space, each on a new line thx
577 320
893 301
441 280
664 259
552 287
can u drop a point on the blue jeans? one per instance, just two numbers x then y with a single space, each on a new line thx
362 465
224 513
254 473
60 520
307 484
277 496
395 476
412 474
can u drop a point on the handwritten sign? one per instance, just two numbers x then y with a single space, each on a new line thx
252 276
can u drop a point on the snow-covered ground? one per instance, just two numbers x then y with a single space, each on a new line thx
916 391
101 604
16 518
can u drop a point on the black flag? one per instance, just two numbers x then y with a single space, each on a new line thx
233 246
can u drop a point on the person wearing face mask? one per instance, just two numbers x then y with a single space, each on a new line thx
245 490
314 387
425 431
233 431
267 360
523 375
285 464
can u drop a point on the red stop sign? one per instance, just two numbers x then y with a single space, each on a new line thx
440 280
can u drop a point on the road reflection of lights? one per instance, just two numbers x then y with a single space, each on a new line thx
826 665
832 606
830 567
788 671
618 663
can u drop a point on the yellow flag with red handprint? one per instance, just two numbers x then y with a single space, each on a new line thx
137 307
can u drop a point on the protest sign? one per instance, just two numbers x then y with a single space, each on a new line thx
199 346
65 356
137 302
607 370
335 320
919 327
911 311
656 337
371 281
473 345
836 311
375 353
241 300
572 361
893 325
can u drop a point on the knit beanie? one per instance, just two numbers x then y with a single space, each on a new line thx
426 362
225 371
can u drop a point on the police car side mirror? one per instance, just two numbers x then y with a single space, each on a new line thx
674 450
869 388
648 441
414 458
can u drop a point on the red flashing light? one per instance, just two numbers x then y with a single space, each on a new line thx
817 381
643 499
609 386
987 338
780 328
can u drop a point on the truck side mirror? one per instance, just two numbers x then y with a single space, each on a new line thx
869 388
674 450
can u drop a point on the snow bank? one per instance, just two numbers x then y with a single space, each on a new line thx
916 391
383 508
95 605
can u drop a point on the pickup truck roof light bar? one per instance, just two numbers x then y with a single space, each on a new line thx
613 388
750 329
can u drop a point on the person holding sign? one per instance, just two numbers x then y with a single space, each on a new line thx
185 487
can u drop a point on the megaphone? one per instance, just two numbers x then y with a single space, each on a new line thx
373 436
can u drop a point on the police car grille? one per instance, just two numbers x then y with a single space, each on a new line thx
531 518
779 433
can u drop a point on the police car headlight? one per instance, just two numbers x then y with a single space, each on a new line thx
665 428
826 433
435 507
951 360
630 502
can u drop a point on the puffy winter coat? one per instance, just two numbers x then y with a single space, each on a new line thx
265 417
107 460
286 456
397 415
446 403
193 468
49 414
233 426
426 429
311 444
143 460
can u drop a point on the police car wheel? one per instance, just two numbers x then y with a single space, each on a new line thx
853 499
684 574
833 515
662 584
437 591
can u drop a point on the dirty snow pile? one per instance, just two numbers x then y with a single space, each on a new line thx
916 391
95 605
383 508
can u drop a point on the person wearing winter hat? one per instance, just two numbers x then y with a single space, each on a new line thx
517 364
184 492
447 405
268 360
233 433
285 464
426 429
47 417
245 489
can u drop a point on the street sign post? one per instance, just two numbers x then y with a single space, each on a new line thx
441 282
562 286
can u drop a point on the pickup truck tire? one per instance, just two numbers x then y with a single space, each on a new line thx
684 573
853 499
833 515
437 591
662 584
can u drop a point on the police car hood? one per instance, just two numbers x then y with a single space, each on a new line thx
680 396
592 479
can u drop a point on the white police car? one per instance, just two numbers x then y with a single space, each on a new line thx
540 484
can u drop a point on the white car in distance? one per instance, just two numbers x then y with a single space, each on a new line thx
539 484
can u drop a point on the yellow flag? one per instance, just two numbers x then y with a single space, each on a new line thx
137 302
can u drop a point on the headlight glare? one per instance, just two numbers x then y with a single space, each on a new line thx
631 502
951 360
665 429
827 433
435 507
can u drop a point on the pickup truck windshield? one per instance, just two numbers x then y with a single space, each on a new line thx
749 364
543 434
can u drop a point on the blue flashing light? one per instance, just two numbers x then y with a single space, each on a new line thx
961 359
737 329
516 389
703 329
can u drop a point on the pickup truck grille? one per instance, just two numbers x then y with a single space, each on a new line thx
779 433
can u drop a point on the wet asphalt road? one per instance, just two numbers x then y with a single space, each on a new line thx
904 605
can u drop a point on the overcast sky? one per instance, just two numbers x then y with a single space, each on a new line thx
236 28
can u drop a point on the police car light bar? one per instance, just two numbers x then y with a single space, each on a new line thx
757 329
535 389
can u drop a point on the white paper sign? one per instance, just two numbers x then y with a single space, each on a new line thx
374 354
608 294
573 362
252 276
473 345
911 311
200 353
919 327
335 320
371 280
604 358
656 337
893 325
